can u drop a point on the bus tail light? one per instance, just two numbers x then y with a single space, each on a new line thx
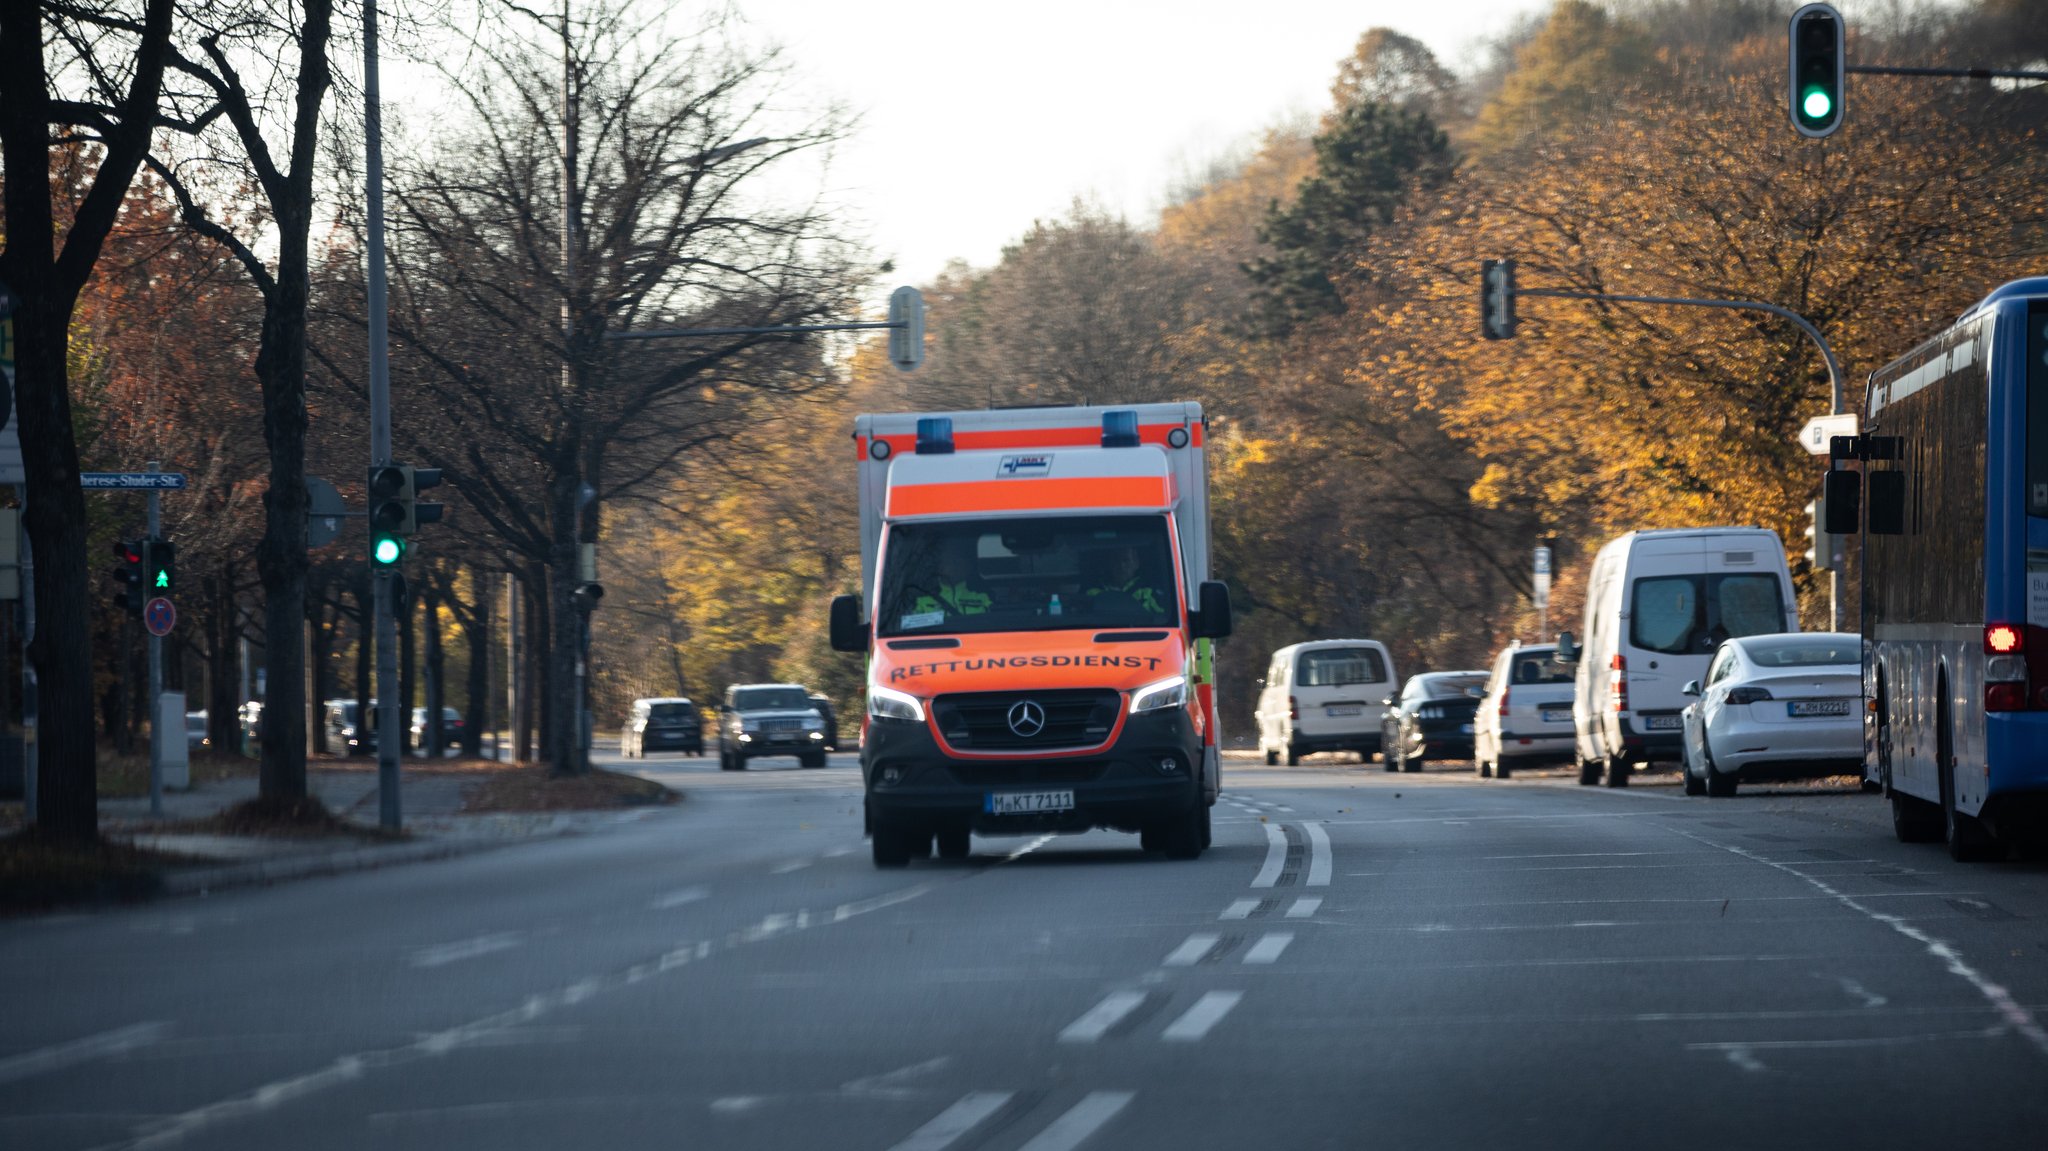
1617 680
2005 667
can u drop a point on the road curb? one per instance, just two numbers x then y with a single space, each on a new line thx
200 881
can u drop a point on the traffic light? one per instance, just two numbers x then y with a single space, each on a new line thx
1820 546
159 568
423 513
1497 299
390 514
128 573
1817 68
906 334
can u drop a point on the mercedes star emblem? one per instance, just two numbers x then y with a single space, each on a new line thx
1027 718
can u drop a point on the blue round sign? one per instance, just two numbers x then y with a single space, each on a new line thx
159 616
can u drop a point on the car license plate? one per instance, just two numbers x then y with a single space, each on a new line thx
1028 802
1557 715
1344 709
1662 723
1818 707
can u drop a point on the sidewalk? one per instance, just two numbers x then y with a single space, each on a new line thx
431 803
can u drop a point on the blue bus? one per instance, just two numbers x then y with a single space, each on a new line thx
1954 565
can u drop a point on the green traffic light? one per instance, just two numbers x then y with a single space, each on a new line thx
387 549
1816 104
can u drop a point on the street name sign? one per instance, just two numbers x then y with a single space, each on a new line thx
159 616
1821 430
132 481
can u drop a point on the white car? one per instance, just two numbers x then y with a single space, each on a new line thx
1525 718
1775 707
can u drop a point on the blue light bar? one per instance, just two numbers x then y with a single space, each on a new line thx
1120 429
935 436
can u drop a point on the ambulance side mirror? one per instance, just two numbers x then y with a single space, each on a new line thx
1212 621
848 632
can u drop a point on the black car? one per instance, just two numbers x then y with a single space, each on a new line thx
1432 719
668 723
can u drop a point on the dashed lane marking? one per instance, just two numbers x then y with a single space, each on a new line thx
1207 1012
792 865
1081 1120
678 898
1100 1018
1269 947
446 953
949 1125
1320 853
1191 952
1276 857
1240 909
116 1042
1305 907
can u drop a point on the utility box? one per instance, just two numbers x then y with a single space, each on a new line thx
171 740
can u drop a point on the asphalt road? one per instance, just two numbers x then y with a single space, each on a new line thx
1362 960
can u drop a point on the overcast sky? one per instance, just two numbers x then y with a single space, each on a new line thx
979 116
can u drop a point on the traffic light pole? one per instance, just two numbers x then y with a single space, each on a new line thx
1827 354
389 816
156 675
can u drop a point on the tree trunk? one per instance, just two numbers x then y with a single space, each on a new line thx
408 681
478 637
430 634
366 637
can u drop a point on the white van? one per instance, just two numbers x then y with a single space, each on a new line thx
1657 605
1324 696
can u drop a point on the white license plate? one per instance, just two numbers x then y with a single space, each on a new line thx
1818 707
1027 802
1557 715
1344 709
1662 723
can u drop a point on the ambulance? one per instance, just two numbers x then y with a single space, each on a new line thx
1037 616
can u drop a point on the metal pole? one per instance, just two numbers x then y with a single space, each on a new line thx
1827 354
388 736
511 666
156 676
31 730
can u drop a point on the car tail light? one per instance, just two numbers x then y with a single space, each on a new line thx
1293 708
1747 695
1617 680
1504 702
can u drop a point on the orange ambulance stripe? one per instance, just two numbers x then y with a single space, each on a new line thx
1028 494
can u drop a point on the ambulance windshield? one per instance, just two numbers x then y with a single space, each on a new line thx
1028 575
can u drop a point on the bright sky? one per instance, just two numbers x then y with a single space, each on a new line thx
980 116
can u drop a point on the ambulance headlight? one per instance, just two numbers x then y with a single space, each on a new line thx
884 703
1160 696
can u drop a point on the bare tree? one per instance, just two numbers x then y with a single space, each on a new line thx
665 146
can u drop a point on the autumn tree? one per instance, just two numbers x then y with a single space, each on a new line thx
98 78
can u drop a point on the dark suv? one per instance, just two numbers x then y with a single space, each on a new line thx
669 723
769 719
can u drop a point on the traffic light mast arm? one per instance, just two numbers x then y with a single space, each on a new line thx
1827 353
1965 73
